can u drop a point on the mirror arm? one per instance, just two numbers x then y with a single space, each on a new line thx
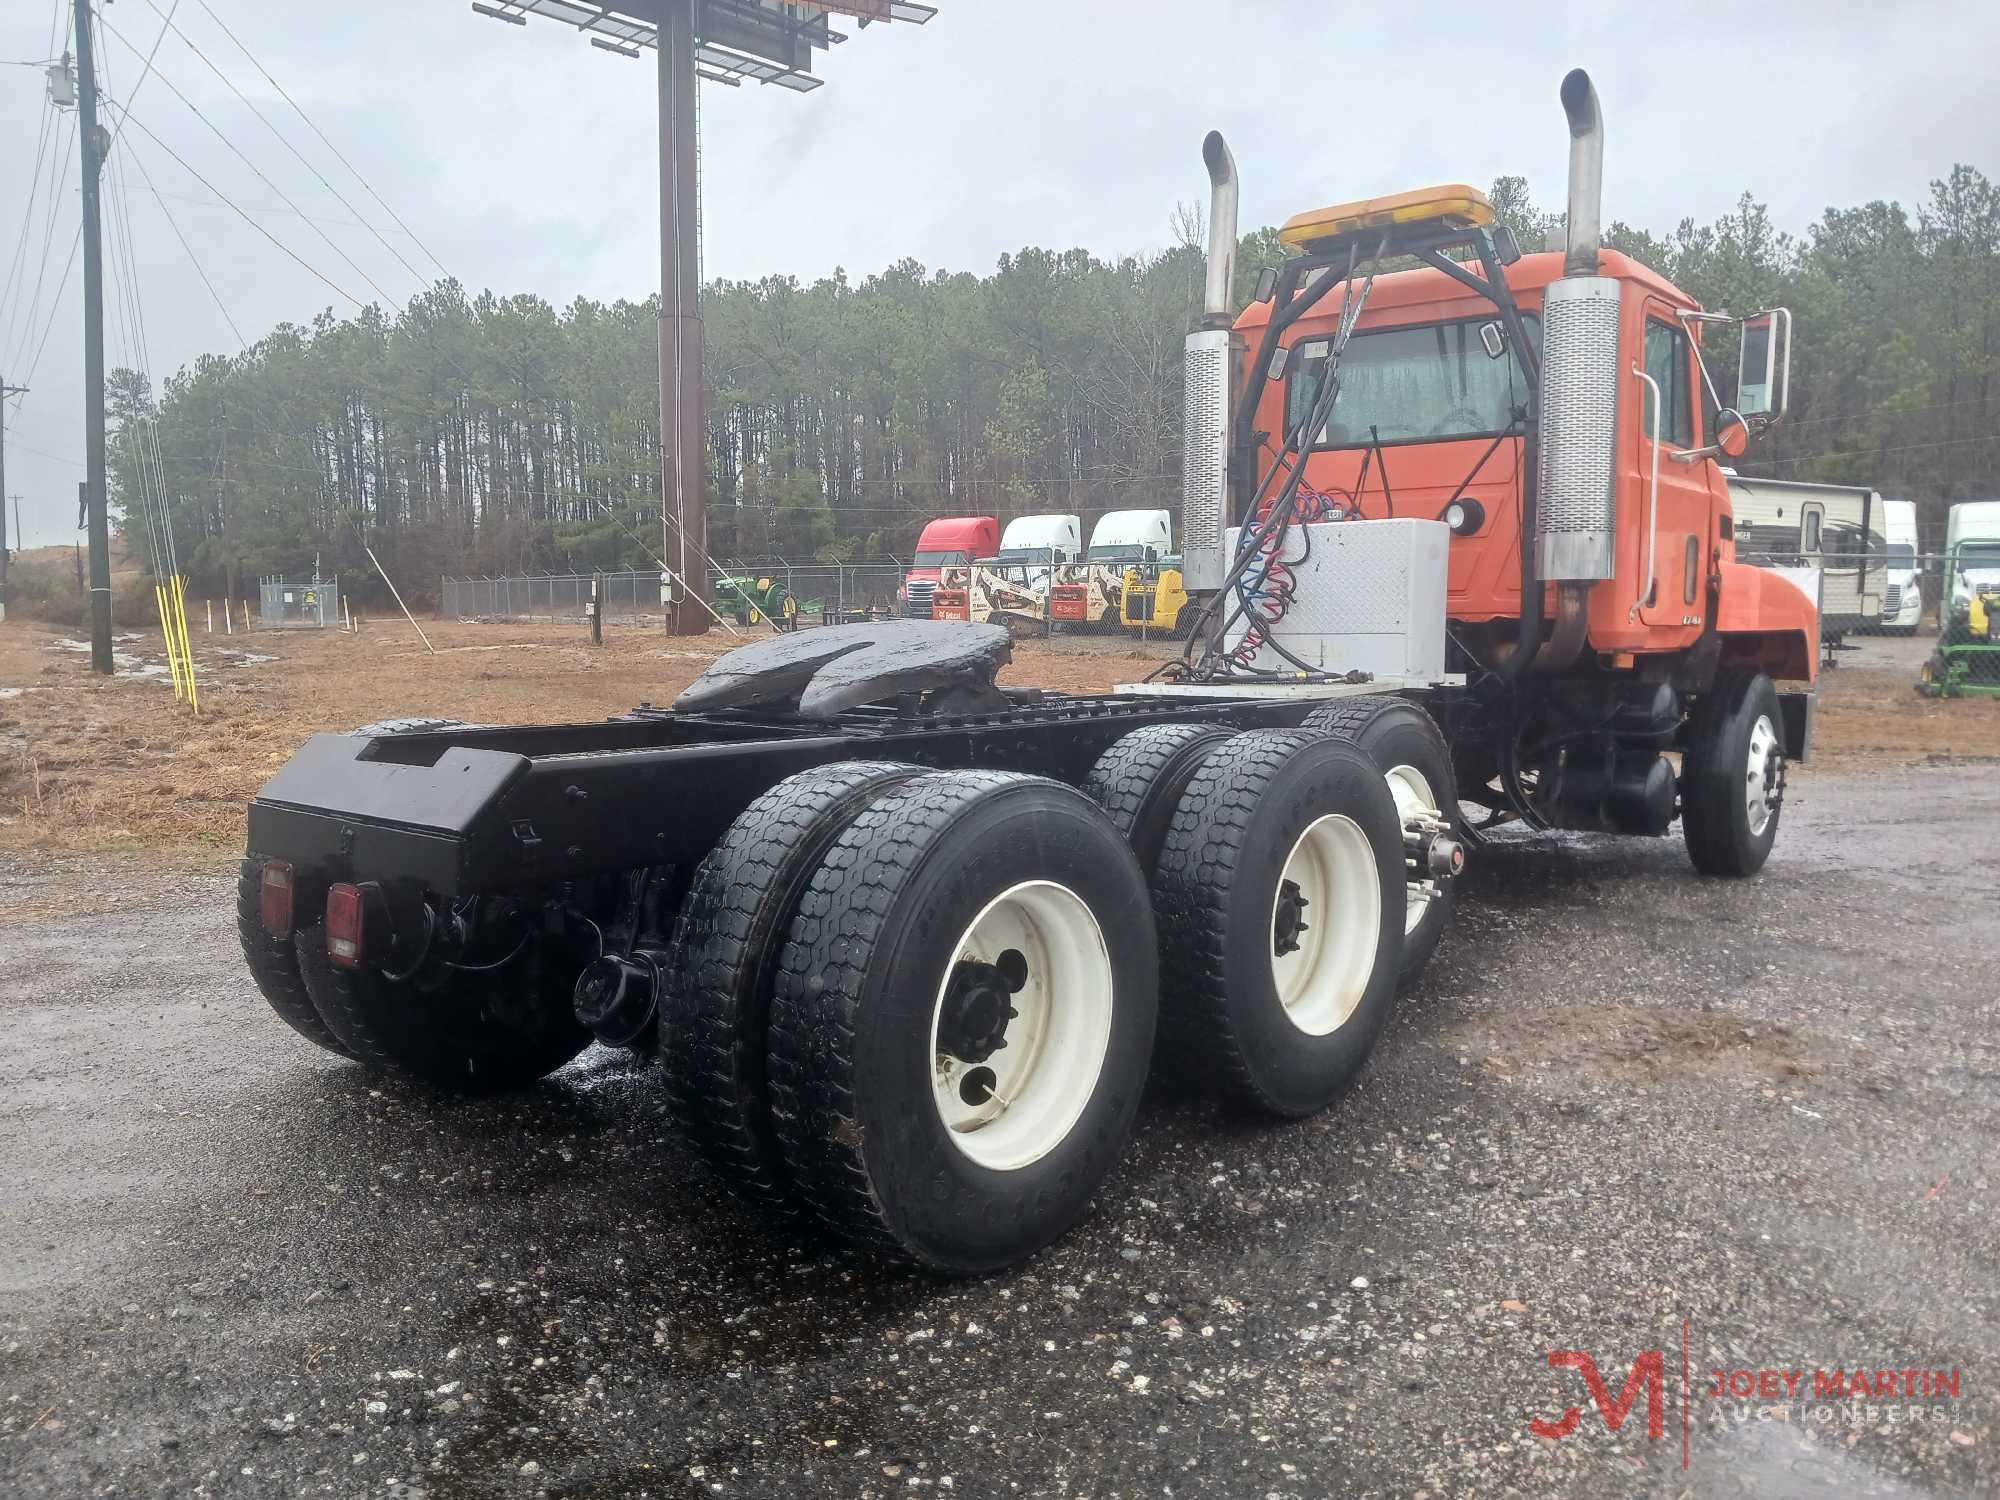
1689 315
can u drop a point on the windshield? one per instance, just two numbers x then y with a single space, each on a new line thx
1412 384
1984 556
1902 555
940 560
1026 555
1118 552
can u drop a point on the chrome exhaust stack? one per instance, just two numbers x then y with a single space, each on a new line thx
1206 386
1217 293
1586 174
1576 506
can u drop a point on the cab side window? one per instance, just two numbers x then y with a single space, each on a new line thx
1667 363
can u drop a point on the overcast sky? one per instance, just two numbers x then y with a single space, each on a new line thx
526 161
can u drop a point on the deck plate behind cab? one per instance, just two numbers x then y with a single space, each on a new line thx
843 666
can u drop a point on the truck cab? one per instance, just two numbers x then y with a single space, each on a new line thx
949 541
1972 555
1013 584
1903 593
1431 422
1091 592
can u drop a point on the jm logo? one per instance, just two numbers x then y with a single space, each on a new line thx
1648 1373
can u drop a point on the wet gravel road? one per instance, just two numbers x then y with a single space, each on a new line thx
1624 1102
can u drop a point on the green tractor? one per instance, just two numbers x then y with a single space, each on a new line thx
755 601
1966 663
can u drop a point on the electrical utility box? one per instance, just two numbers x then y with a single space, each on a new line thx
1367 596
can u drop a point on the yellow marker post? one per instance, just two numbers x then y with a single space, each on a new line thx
167 633
187 644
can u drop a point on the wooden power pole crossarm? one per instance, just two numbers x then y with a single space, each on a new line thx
94 141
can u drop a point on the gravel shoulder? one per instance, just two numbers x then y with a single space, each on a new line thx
1622 1099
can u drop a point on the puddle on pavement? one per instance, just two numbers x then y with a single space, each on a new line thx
1565 1045
1771 1460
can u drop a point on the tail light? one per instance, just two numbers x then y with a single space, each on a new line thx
345 925
274 895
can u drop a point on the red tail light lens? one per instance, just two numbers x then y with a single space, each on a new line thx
345 935
274 892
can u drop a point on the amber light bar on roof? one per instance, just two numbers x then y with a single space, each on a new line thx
1453 204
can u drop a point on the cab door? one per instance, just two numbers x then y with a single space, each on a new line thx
1684 504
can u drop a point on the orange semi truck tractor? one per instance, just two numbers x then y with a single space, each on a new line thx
1548 425
907 940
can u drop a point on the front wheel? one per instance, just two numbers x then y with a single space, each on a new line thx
1733 776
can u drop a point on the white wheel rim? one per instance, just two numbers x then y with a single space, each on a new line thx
1414 797
1010 1108
1322 978
1762 774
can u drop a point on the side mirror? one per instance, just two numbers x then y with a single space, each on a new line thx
1764 364
1267 285
1493 339
1732 433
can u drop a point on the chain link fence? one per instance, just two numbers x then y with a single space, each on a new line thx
742 594
312 603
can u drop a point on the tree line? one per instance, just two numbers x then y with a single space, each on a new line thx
481 434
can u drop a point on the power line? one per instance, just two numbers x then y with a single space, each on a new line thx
285 249
55 306
223 136
421 279
258 208
296 109
195 260
145 72
19 259
48 241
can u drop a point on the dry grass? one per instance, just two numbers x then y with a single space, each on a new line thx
93 764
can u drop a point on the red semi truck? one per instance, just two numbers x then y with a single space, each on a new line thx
948 542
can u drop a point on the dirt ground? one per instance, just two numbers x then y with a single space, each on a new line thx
116 765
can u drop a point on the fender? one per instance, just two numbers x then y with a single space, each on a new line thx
1767 620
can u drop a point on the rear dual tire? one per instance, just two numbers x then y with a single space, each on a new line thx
917 1006
1414 760
1270 1000
881 980
728 942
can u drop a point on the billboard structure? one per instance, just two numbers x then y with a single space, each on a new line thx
730 42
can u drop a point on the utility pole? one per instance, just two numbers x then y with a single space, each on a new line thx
94 141
683 436
6 390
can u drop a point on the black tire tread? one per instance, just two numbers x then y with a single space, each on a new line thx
1709 782
274 965
731 929
1353 718
820 981
1350 717
1195 1039
1123 780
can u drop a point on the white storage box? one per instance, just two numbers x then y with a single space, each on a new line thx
1368 597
